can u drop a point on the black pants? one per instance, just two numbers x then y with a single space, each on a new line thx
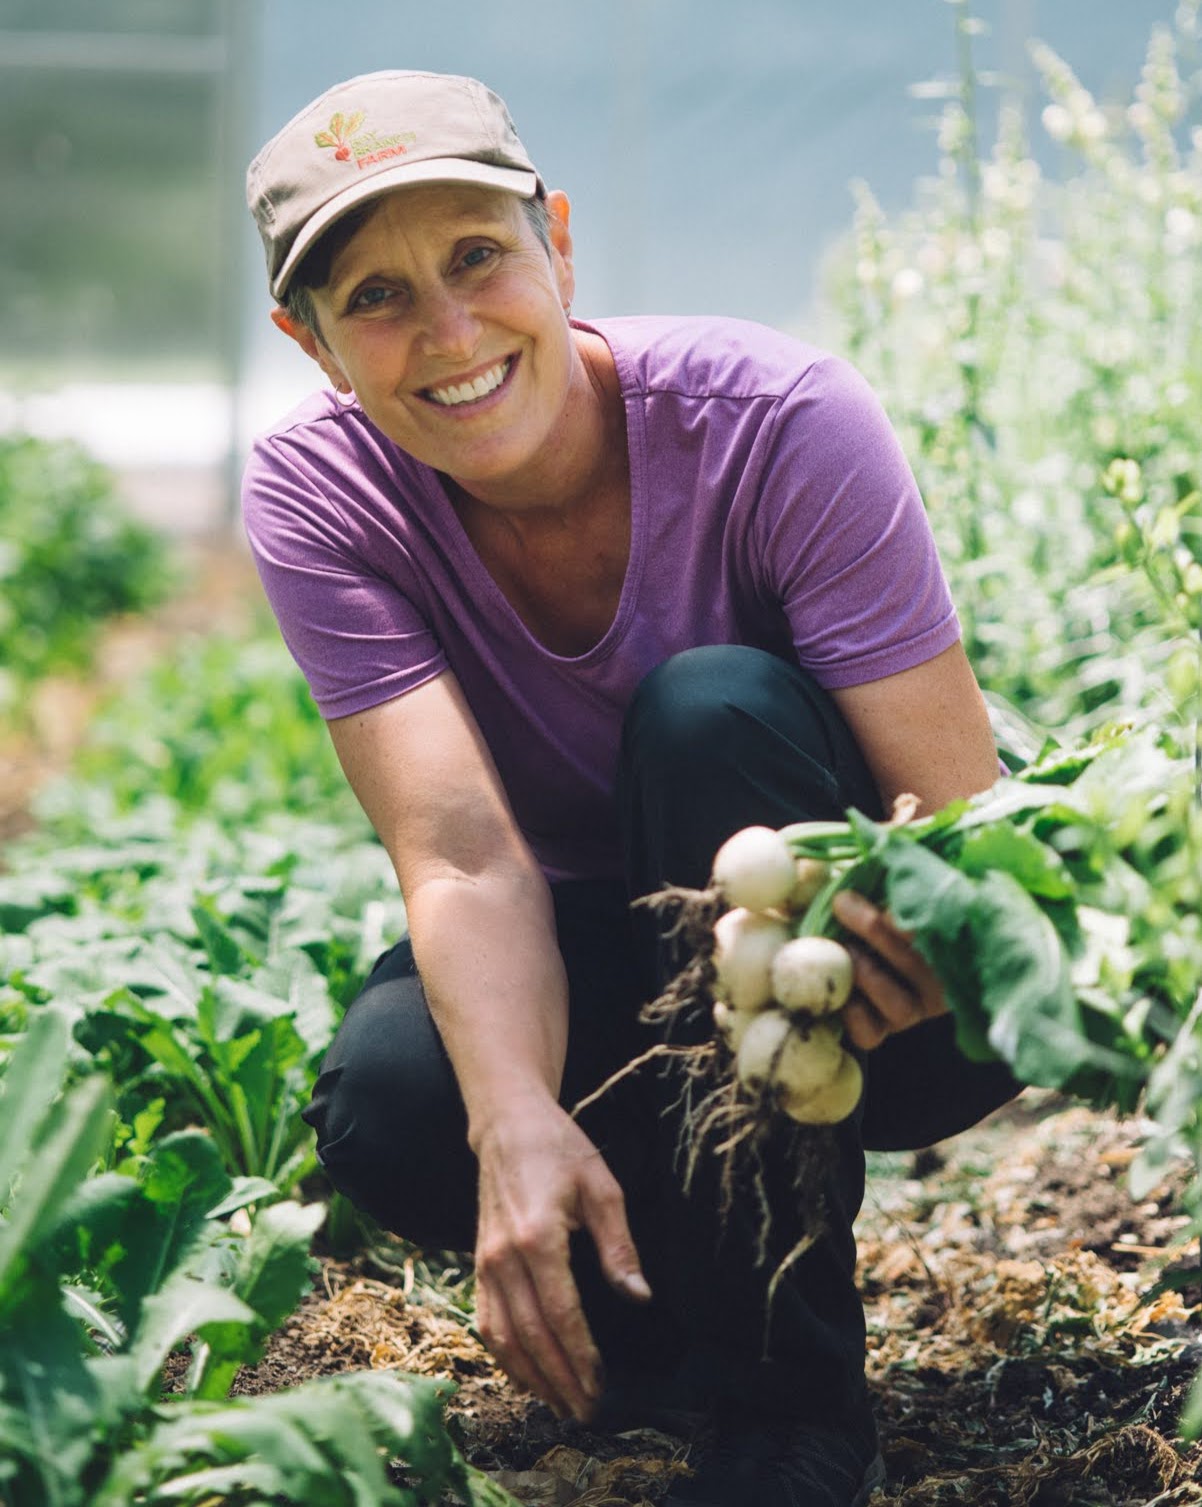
714 740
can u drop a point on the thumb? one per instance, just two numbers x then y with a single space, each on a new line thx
604 1211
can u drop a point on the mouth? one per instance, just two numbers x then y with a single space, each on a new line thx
465 394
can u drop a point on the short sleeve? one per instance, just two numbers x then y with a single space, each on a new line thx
844 541
358 636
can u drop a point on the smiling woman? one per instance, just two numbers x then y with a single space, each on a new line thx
578 600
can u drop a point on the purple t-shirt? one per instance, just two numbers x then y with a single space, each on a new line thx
770 505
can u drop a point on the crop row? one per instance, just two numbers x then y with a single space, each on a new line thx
176 944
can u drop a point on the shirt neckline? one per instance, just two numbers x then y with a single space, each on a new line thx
479 579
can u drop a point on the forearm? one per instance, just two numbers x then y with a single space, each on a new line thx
487 952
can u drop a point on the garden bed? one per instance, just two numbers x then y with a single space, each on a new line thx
1011 1360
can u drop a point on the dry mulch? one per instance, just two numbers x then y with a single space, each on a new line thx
1013 1359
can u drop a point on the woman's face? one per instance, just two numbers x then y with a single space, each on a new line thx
445 315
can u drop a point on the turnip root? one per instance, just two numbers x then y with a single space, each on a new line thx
745 944
756 869
834 1102
811 974
731 1024
812 874
776 1057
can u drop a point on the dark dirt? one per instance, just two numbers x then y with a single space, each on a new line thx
1012 1358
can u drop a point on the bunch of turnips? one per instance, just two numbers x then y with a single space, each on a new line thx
1039 904
779 997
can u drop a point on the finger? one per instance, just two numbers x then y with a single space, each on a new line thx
876 927
895 999
499 1333
529 1357
536 1325
559 1340
862 1026
603 1209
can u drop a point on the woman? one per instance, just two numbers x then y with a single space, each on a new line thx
578 600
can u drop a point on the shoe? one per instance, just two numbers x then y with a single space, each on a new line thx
784 1463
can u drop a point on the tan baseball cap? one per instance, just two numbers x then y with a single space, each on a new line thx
369 135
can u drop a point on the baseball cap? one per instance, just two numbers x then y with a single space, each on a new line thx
369 135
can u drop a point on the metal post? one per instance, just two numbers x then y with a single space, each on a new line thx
240 30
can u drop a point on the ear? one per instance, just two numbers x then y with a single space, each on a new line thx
316 349
559 212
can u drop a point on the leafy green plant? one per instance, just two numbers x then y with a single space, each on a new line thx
226 728
1044 905
204 970
69 556
104 1276
1033 339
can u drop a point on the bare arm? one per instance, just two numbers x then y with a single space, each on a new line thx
483 935
923 732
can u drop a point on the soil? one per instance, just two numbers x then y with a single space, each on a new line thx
1014 1357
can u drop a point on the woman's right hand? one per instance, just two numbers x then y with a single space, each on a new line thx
541 1178
483 928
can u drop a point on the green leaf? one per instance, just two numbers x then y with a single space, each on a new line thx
226 955
51 1404
924 893
185 1304
73 1134
272 1273
1038 868
26 897
1191 1418
91 1228
31 1083
245 1191
292 979
326 1441
1026 985
182 1181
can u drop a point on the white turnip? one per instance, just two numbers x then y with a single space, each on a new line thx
832 1103
811 974
745 944
731 1024
791 1064
756 869
811 875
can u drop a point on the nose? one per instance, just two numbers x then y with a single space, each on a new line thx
450 328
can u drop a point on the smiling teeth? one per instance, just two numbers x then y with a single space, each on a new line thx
470 392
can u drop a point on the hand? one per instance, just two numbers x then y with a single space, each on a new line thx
895 987
541 1179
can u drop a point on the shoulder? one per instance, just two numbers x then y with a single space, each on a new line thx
328 454
712 356
319 428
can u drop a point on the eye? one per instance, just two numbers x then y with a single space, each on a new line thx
371 297
477 256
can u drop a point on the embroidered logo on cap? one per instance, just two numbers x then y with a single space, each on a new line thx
348 140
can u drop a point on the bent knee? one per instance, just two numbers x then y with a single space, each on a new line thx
714 702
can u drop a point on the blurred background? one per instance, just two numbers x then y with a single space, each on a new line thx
708 150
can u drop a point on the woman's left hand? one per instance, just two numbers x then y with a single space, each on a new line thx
895 987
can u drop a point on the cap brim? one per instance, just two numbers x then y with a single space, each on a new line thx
404 175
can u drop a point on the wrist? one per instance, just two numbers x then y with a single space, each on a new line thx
512 1117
